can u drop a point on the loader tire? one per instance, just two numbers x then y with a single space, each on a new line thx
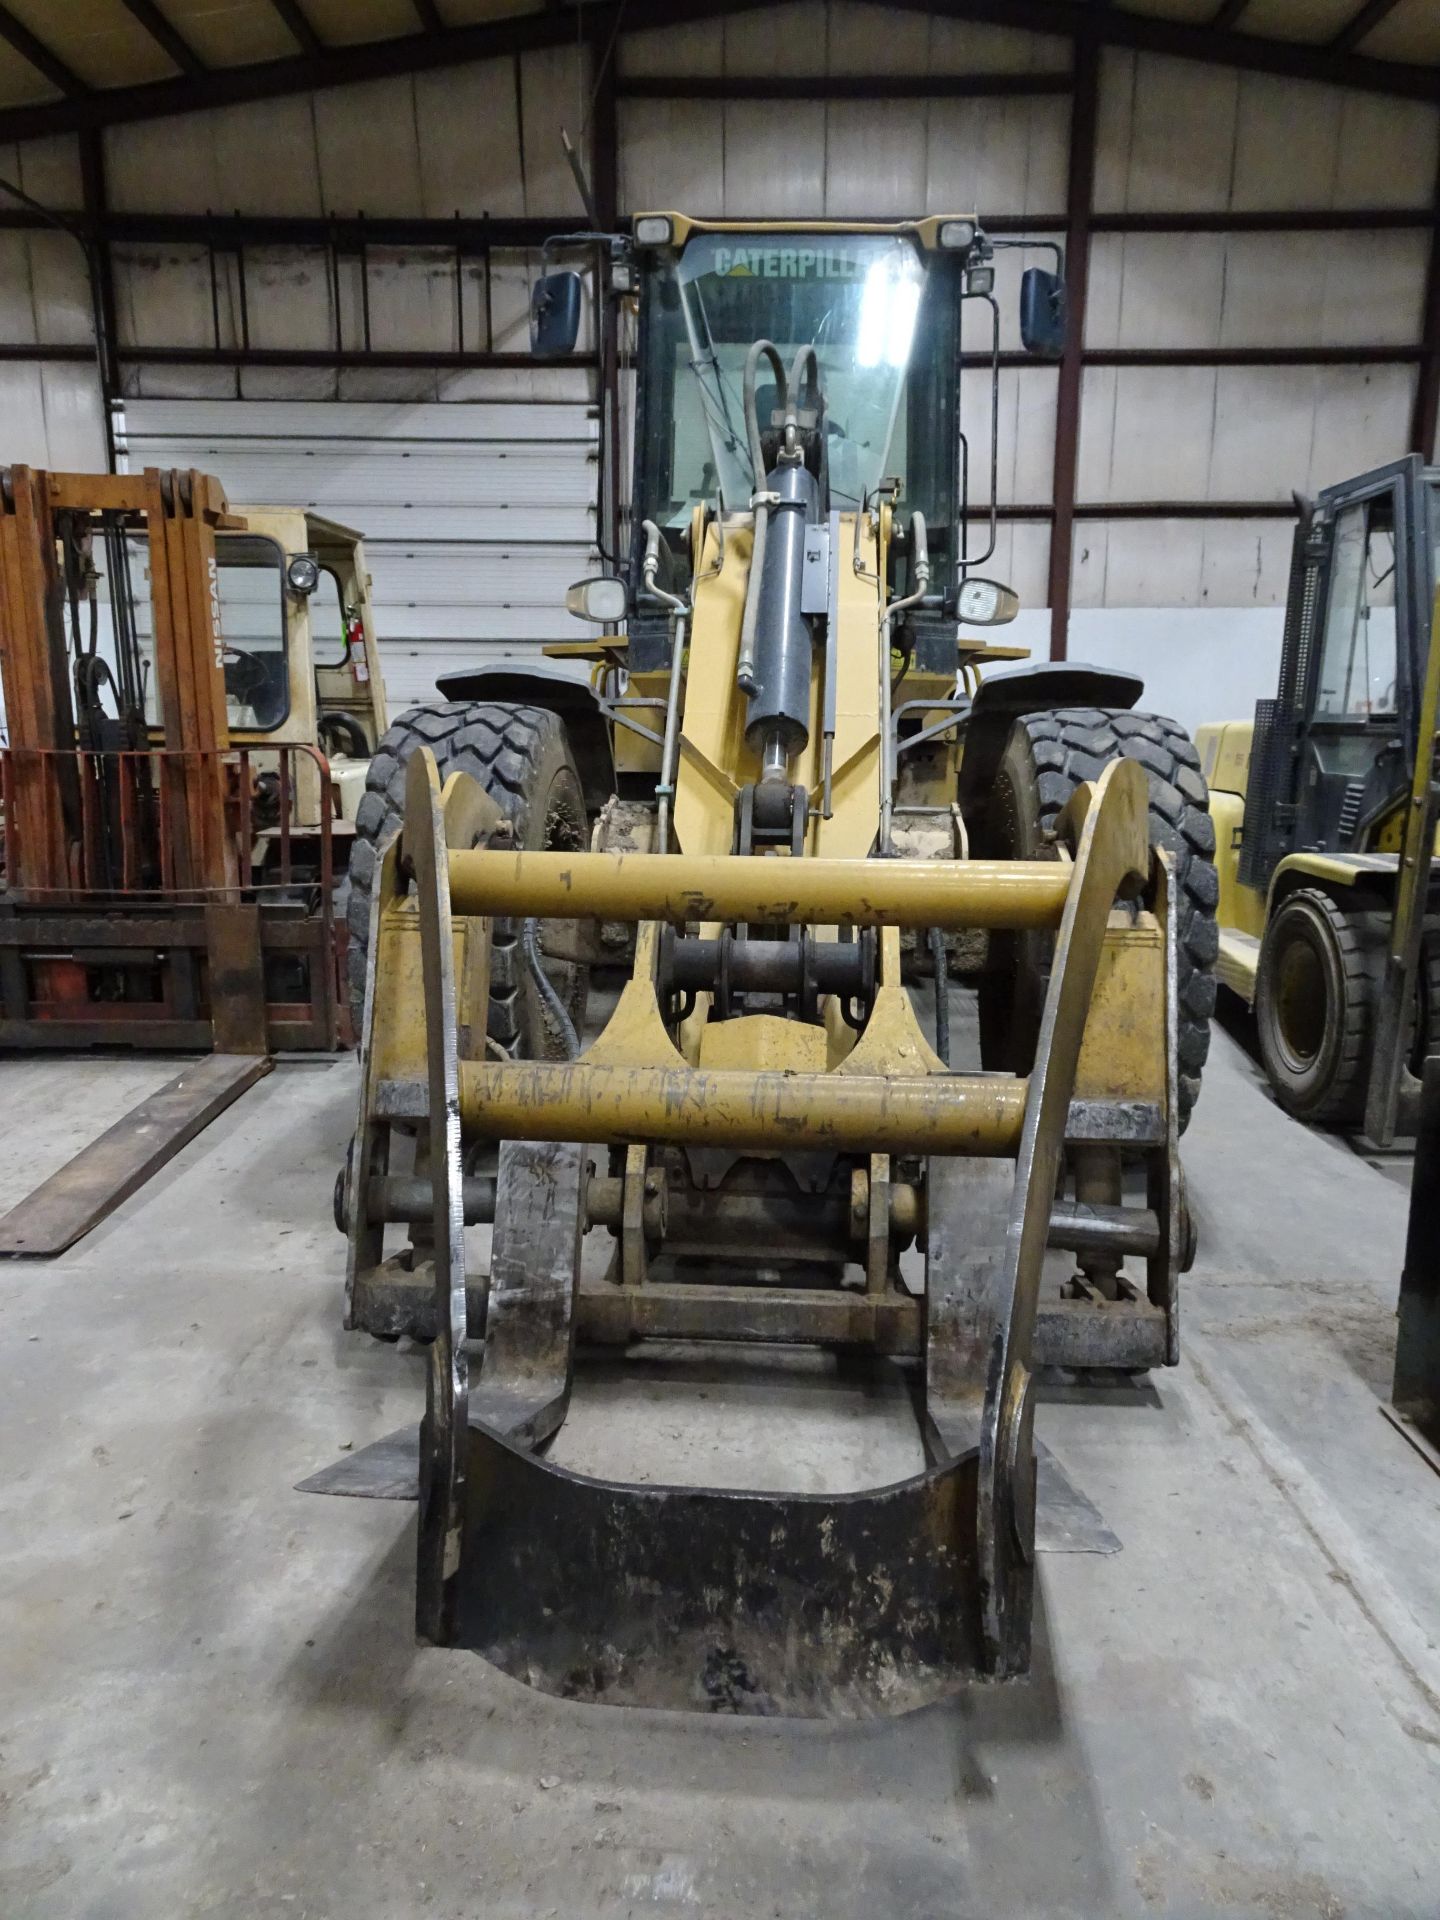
1046 757
522 758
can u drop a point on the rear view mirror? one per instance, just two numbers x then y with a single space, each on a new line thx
555 313
1042 312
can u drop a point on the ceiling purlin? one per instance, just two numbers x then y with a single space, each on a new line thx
165 36
300 29
1362 23
332 66
39 55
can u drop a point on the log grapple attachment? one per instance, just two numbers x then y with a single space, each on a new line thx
700 1597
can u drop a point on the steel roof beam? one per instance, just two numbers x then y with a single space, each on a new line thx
40 57
299 28
1185 40
165 36
1362 23
555 26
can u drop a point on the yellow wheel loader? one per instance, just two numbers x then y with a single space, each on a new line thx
785 784
1325 810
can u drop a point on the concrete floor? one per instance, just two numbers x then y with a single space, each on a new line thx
211 1703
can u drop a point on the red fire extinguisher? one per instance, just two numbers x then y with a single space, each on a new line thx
355 645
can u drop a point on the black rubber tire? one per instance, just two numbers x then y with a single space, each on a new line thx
1046 757
522 758
1425 1040
1316 989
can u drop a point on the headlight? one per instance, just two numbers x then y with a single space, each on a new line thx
303 573
986 603
958 234
654 230
601 599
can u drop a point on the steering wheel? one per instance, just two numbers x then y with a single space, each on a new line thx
347 734
245 674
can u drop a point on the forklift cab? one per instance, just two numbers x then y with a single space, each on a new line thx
1340 744
301 661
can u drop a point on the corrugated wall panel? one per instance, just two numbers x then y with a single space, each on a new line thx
1181 563
874 158
672 155
698 47
357 171
476 516
1263 433
1166 134
467 125
774 161
1000 156
51 415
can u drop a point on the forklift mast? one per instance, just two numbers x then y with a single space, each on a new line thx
41 515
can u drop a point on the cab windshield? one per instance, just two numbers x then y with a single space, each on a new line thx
854 297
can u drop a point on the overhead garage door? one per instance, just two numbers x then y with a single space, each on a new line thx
476 514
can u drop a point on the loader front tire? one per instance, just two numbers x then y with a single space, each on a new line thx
1046 758
521 756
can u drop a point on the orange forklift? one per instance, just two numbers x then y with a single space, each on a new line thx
181 750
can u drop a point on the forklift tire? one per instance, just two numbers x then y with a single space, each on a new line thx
1046 757
1425 1036
521 757
1316 989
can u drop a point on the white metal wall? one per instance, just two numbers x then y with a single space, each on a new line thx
1173 136
476 515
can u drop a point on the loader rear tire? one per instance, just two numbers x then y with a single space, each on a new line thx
522 758
1046 757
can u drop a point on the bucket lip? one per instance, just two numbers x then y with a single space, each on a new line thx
811 1606
653 1489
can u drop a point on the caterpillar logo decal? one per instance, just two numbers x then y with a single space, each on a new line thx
788 263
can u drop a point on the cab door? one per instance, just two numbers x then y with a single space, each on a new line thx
1370 632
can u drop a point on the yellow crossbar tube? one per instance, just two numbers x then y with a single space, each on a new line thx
849 1113
1023 894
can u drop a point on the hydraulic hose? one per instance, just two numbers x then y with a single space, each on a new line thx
762 350
559 1012
942 994
745 665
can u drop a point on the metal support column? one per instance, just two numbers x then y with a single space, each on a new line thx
102 281
1427 387
604 51
1080 195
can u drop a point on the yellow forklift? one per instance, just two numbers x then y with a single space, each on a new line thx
1325 810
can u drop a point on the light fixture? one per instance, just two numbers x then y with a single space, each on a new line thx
303 573
959 234
654 230
986 603
602 598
